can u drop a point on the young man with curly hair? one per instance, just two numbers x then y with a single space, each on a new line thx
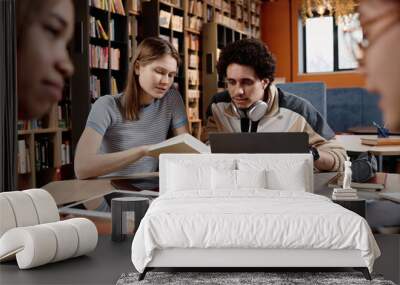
252 103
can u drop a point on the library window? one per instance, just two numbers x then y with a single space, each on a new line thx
323 46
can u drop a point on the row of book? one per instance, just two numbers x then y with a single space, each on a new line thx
193 94
193 77
177 3
114 6
194 42
64 114
94 87
168 20
65 153
23 162
43 153
29 125
196 8
115 56
98 57
194 60
112 30
195 23
134 5
96 29
174 41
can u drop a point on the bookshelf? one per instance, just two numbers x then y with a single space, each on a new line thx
193 23
44 152
167 23
226 22
101 54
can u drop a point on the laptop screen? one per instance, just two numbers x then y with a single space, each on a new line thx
259 143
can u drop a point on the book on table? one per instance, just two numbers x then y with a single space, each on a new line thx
375 183
381 141
184 143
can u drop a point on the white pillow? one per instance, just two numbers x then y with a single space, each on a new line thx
280 174
224 179
194 175
293 179
251 178
188 177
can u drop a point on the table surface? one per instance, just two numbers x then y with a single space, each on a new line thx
352 143
104 265
110 259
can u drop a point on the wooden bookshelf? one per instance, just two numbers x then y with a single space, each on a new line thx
100 55
224 26
42 156
168 23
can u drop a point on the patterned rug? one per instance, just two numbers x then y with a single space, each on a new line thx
243 278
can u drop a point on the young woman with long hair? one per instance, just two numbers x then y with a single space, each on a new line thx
120 128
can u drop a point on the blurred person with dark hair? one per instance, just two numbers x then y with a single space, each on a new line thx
252 103
379 56
44 29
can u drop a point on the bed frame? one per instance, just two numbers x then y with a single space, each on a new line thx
248 259
256 259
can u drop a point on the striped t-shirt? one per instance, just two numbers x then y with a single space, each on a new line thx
153 125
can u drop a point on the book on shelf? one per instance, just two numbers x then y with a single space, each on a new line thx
194 60
193 77
175 43
94 87
100 4
23 163
64 114
195 23
98 57
193 113
165 19
183 143
29 125
177 23
114 88
193 94
194 42
117 7
381 141
65 153
377 182
43 153
112 30
115 55
134 5
100 30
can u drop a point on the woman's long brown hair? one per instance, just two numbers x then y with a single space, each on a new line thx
148 51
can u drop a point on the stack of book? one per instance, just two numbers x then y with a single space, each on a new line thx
344 194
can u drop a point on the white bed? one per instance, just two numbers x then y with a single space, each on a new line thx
215 211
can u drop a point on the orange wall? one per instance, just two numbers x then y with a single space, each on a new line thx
280 32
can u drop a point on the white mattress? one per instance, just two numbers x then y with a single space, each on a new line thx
252 218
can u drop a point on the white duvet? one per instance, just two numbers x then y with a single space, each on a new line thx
255 218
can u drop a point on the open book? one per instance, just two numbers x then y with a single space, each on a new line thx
183 143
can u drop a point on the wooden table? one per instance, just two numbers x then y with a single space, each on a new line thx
352 143
366 131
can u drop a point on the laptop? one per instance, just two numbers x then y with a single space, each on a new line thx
259 143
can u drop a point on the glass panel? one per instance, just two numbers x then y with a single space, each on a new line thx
346 58
319 44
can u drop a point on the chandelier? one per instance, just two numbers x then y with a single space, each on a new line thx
340 9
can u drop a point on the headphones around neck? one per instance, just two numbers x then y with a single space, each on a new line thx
255 112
